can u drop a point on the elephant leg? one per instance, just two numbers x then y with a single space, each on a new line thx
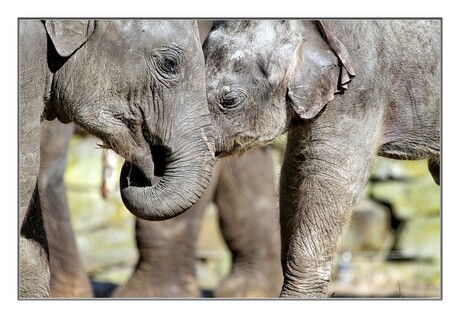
326 167
34 272
33 247
166 263
68 276
246 200
433 166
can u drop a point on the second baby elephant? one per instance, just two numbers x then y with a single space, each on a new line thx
346 91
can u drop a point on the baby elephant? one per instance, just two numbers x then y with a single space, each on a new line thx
346 91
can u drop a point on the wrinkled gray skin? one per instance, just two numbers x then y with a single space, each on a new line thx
380 80
128 83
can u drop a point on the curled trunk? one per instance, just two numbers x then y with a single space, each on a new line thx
187 173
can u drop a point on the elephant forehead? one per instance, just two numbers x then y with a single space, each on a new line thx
130 31
152 29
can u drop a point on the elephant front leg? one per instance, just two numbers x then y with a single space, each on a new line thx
321 181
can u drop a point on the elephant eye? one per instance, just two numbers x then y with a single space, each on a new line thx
170 65
231 99
167 62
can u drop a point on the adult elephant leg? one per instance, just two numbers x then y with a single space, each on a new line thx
166 263
33 249
246 200
326 166
68 276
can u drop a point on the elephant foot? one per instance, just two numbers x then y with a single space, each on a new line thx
147 285
73 292
72 288
309 284
249 285
291 294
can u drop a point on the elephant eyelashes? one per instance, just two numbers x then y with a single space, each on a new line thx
231 99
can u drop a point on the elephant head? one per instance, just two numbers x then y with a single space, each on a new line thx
264 75
139 86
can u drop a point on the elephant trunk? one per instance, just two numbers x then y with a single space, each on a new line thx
187 173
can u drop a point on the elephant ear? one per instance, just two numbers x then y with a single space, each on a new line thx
69 35
322 68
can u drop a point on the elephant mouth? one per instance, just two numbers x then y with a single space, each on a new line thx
236 145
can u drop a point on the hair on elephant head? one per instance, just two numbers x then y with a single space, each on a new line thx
139 86
263 66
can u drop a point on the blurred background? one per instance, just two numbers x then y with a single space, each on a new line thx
392 249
